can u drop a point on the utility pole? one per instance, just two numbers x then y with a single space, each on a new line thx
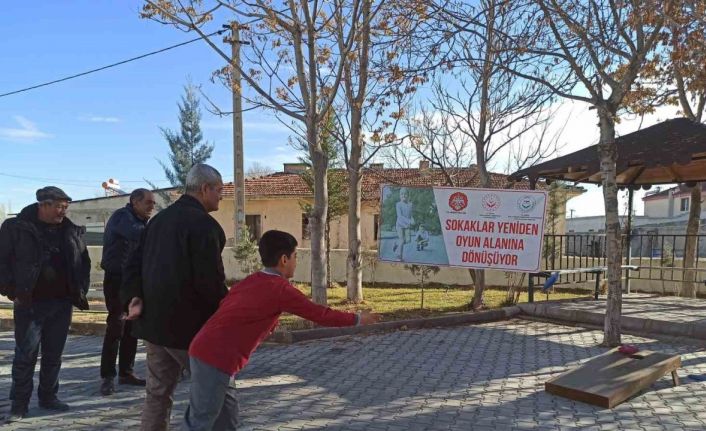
238 170
571 212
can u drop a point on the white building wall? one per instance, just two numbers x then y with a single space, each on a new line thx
657 207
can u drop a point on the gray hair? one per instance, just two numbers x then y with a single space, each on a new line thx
138 194
201 174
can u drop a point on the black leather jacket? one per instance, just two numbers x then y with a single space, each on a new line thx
21 253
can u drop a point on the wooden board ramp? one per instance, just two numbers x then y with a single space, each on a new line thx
613 377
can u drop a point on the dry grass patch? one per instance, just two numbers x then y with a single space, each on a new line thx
399 303
393 302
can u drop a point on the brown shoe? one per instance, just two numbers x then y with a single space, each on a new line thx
131 380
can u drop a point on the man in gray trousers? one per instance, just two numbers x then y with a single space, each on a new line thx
173 283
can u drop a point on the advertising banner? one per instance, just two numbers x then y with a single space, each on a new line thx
472 228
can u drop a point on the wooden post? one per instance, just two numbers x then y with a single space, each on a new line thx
238 169
598 285
628 240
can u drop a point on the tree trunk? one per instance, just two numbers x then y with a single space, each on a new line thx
328 253
354 270
608 157
317 219
690 252
354 266
478 277
480 141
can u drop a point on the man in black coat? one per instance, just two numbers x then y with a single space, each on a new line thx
173 283
121 236
44 269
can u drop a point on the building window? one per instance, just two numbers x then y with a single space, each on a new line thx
684 204
306 230
254 225
376 226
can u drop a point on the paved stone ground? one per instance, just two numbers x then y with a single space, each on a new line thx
666 308
480 377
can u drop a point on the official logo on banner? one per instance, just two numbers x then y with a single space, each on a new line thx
491 202
458 201
526 204
493 229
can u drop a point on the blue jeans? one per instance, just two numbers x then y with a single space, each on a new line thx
45 325
212 402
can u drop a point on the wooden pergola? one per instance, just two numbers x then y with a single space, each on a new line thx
673 151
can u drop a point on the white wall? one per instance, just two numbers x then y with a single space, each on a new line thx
391 273
657 208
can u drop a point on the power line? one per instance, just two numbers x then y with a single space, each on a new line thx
63 183
69 181
81 182
108 66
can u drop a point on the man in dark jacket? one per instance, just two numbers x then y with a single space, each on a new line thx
173 283
44 269
121 236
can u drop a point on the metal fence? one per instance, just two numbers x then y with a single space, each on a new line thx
659 256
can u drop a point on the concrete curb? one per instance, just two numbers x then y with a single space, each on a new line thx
76 328
679 339
429 322
643 326
288 337
549 311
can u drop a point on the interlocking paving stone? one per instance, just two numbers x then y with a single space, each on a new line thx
488 376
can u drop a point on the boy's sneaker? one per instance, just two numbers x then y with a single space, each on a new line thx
54 404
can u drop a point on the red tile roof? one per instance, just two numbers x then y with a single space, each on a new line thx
283 184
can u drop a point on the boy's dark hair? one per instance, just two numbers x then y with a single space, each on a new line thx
274 244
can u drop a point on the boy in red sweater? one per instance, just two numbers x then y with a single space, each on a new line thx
244 318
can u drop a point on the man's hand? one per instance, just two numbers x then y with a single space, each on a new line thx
368 318
134 309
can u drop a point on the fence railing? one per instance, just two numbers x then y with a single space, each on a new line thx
660 256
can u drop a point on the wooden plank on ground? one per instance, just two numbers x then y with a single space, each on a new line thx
611 378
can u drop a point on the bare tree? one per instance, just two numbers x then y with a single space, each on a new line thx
481 101
372 88
432 136
686 67
603 45
256 170
292 65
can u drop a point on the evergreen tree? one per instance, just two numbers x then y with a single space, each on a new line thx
186 147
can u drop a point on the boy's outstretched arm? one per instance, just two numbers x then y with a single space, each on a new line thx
295 302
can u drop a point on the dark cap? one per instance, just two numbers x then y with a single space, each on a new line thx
51 193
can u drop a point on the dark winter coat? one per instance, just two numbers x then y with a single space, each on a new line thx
21 257
121 236
177 270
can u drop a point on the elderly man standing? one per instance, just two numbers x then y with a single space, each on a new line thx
121 236
44 268
173 283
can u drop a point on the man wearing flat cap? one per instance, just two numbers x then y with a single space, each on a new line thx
44 269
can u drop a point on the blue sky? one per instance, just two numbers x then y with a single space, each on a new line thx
105 125
79 133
